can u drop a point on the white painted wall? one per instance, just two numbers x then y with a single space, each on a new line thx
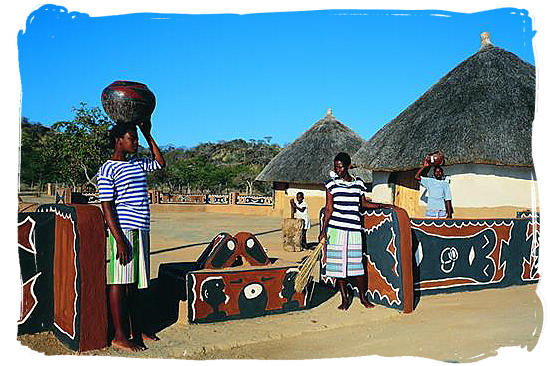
381 190
476 185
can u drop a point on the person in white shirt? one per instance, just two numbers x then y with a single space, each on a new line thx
300 210
439 191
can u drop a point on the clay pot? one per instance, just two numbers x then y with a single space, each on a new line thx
128 102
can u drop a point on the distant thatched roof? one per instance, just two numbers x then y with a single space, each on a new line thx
309 159
480 112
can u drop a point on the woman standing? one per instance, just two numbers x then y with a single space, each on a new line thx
342 229
122 185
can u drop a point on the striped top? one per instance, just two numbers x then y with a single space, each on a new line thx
125 183
346 203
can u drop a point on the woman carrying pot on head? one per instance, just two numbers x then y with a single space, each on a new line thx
341 228
439 191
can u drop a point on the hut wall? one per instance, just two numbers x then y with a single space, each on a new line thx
480 185
381 189
478 190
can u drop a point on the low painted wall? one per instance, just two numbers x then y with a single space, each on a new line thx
465 255
388 258
221 288
35 242
78 266
235 293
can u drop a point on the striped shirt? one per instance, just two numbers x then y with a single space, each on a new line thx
346 203
125 183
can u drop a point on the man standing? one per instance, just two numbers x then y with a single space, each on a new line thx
439 191
122 185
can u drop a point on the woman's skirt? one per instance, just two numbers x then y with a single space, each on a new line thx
138 268
344 253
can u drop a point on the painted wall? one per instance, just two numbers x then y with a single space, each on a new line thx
35 242
79 291
465 255
478 190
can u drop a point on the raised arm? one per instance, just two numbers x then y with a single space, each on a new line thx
157 154
422 172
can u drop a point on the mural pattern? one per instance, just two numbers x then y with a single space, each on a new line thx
232 294
218 199
35 242
227 251
79 290
255 200
459 255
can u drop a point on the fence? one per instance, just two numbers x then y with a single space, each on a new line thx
171 198
210 199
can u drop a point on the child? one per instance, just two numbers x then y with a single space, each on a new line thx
122 188
301 213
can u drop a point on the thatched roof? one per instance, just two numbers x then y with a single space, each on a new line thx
480 112
309 159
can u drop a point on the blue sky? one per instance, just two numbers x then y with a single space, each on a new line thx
225 76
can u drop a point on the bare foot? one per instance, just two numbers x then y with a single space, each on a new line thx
366 303
138 341
346 302
125 345
151 337
343 306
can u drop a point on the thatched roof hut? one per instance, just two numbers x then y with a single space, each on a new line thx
309 159
481 112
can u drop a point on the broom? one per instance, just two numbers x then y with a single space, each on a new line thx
304 273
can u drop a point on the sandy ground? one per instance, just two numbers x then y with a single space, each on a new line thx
458 327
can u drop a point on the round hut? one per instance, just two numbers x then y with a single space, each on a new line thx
480 115
306 163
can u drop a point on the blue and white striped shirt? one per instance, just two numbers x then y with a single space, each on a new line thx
125 183
346 202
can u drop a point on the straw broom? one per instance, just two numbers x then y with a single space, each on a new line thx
304 273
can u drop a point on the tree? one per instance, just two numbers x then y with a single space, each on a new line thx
32 167
77 148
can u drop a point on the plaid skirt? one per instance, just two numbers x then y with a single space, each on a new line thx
138 268
344 253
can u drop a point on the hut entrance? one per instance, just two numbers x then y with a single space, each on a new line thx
405 191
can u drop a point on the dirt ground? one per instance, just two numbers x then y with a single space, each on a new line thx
459 327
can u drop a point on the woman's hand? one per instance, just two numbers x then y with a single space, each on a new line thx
122 251
145 127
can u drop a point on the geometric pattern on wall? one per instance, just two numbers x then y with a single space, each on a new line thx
79 286
243 292
463 255
35 246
